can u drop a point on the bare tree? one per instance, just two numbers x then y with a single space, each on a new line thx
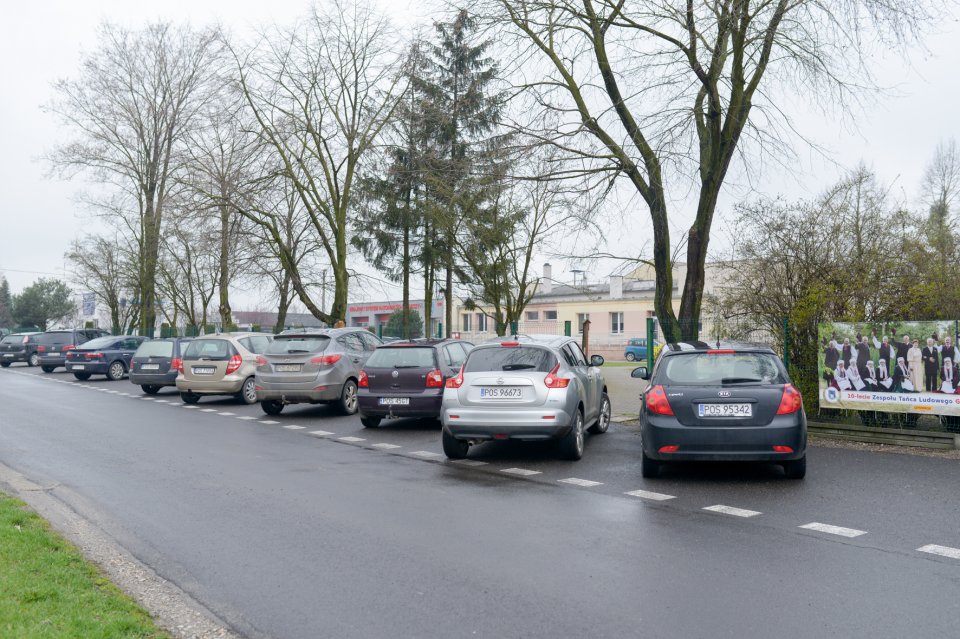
107 268
321 93
130 107
640 89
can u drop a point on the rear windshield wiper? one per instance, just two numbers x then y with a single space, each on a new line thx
296 350
518 367
408 366
740 380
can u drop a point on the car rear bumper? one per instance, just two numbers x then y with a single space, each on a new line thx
311 392
725 443
56 362
14 357
419 406
227 386
154 379
96 368
529 424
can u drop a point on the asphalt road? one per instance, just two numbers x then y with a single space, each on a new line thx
284 528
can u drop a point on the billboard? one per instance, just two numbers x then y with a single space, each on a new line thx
896 367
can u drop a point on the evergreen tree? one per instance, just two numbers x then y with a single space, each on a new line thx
43 302
6 304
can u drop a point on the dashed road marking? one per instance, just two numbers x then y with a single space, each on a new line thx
646 494
208 410
189 406
246 417
586 483
943 551
386 446
161 401
520 471
730 510
834 530
351 440
468 462
226 414
426 454
320 433
288 426
268 421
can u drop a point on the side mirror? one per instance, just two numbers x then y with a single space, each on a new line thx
596 360
640 373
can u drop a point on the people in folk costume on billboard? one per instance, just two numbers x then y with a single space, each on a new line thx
901 377
903 348
831 355
931 365
886 350
948 350
871 377
846 353
863 356
884 381
915 364
950 375
856 380
840 379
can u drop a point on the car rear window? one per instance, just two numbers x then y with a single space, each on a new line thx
721 369
100 342
55 338
402 357
215 349
284 345
510 358
155 348
12 339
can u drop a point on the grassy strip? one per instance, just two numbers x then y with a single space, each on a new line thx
47 589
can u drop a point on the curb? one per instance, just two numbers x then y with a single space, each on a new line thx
895 436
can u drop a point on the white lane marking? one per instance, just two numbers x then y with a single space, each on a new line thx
288 426
730 510
161 401
520 471
468 462
646 494
268 421
426 454
147 399
226 414
943 551
126 394
208 410
386 446
321 433
189 406
586 483
834 530
351 439
246 417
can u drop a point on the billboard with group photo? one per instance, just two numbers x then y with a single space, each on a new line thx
896 367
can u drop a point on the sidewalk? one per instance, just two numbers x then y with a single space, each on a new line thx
624 392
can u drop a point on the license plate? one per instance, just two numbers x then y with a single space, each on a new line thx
150 367
8 354
288 368
54 354
501 392
726 410
77 367
394 401
204 370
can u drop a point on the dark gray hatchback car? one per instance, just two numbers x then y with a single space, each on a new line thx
52 346
19 347
156 363
721 402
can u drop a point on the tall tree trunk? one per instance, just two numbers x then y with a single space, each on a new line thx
226 315
284 305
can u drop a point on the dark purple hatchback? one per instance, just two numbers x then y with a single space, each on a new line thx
406 379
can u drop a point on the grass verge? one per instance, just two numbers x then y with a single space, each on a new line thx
47 588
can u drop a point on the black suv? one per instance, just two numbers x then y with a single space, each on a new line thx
52 346
19 347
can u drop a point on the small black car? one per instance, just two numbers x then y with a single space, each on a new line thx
52 346
108 356
406 379
155 363
724 402
19 347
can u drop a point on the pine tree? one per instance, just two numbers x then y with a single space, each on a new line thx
6 304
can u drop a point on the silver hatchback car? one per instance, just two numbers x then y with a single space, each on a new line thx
526 388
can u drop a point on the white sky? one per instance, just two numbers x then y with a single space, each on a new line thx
41 42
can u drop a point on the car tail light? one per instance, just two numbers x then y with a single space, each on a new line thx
94 355
456 381
782 449
234 364
669 449
41 349
791 401
326 360
552 381
509 343
435 379
177 364
68 347
364 380
719 351
262 361
657 402
26 338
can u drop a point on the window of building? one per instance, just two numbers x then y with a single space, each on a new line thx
550 315
466 324
481 322
616 323
581 318
533 316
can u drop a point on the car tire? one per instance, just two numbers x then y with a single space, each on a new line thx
631 357
189 398
571 446
248 392
795 468
5 364
455 448
603 420
150 389
271 406
116 371
649 468
349 403
33 360
48 369
370 422
82 376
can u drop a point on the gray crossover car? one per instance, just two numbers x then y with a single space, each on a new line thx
525 388
316 367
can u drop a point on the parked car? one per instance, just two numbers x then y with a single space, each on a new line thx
406 379
525 388
317 367
221 364
19 347
52 346
108 356
635 349
723 402
156 362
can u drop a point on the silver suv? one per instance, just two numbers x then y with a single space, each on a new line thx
316 367
526 388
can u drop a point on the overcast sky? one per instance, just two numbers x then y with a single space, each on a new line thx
41 42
